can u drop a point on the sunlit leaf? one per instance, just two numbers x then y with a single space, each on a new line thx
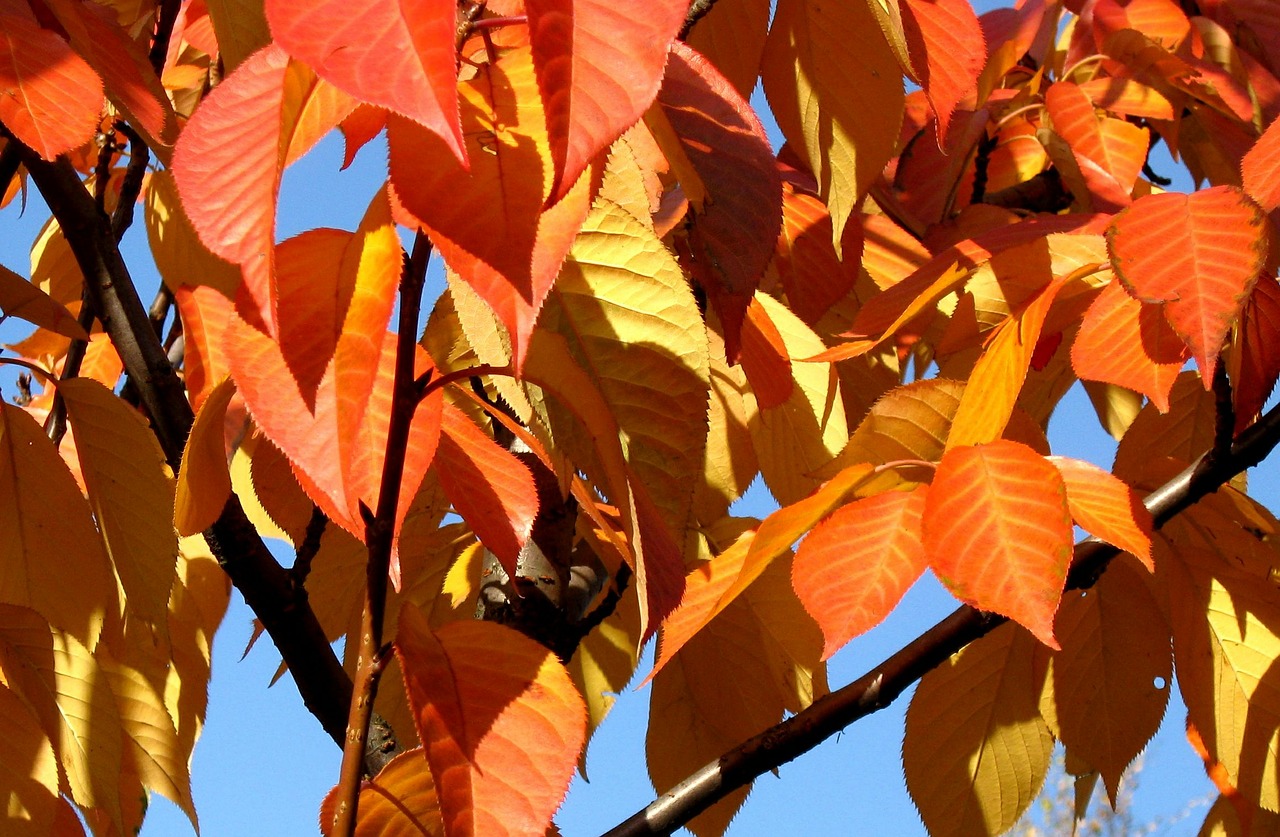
180 256
400 801
732 37
20 298
36 66
998 533
241 27
1107 508
947 50
500 719
28 768
204 483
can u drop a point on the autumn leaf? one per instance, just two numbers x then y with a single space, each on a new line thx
399 802
947 46
852 569
1210 249
598 68
399 56
204 482
28 767
825 66
35 67
1107 508
20 298
481 691
732 37
998 533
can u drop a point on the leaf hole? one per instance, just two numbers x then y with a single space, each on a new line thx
1160 683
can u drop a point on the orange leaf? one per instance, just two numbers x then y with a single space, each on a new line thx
1126 342
1259 352
205 314
764 358
398 55
598 69
400 801
855 566
204 481
1109 152
501 721
998 533
492 489
227 168
37 68
812 275
947 46
488 222
1107 508
1261 169
732 37
20 298
734 231
1199 254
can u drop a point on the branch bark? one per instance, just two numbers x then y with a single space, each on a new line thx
880 686
266 586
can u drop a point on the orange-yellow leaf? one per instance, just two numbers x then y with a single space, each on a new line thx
598 67
28 769
37 70
240 27
948 50
1259 352
488 221
1199 254
1116 148
20 298
179 254
400 801
764 358
998 532
1261 169
398 55
826 66
1130 343
732 37
813 277
205 315
1107 508
204 482
50 537
501 721
855 566
130 490
492 489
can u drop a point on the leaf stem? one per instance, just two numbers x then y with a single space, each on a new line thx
882 685
379 537
426 384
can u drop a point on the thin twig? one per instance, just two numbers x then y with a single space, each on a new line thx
697 11
310 546
168 16
379 534
883 684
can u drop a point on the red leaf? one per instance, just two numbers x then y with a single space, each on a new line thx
733 233
492 489
37 71
855 566
399 55
1130 343
998 533
488 222
227 167
599 66
1199 254
1261 169
947 48
1259 352
764 358
1107 508
501 722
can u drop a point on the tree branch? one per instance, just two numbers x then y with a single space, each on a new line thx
267 587
880 686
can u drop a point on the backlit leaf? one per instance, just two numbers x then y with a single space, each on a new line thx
827 65
1261 169
20 298
501 722
1259 351
241 27
812 274
948 51
598 67
50 535
400 801
130 491
36 66
1199 254
998 533
398 55
180 255
204 482
1105 507
974 765
28 769
732 37
854 567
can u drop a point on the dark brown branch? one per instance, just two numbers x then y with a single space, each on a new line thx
880 686
697 11
379 534
168 16
266 586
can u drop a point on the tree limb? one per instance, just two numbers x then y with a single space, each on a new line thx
880 686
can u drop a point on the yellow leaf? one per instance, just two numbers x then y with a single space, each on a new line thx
49 537
204 481
256 468
730 464
1181 434
241 28
976 749
54 268
62 682
20 298
28 769
732 36
605 661
1225 644
630 319
130 491
803 433
1111 679
836 91
180 256
201 592
400 801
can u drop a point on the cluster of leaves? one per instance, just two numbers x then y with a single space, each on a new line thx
646 308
